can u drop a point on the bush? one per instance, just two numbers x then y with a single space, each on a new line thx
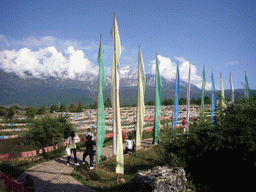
41 110
46 129
3 112
218 156
10 113
63 108
54 108
30 112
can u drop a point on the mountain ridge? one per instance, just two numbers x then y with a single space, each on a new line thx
37 92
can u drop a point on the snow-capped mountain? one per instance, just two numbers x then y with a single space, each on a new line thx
36 92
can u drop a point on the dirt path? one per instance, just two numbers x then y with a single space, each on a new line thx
55 175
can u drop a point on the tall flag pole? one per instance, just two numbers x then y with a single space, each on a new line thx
175 114
247 90
232 89
158 102
188 97
101 116
213 96
202 99
140 100
115 100
222 91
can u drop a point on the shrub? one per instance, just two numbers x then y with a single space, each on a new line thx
54 108
46 129
63 108
10 113
218 156
3 112
30 112
41 110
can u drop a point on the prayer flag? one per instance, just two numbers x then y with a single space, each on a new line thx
247 90
158 102
222 92
213 97
202 100
188 97
232 90
175 114
140 102
115 100
101 116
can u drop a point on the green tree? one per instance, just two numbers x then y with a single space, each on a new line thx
207 100
198 101
193 101
149 103
182 101
16 107
44 129
94 106
3 112
63 108
30 112
107 103
167 102
72 108
41 110
10 113
80 107
54 108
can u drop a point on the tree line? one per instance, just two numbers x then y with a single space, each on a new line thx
78 107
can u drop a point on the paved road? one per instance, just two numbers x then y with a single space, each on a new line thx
55 175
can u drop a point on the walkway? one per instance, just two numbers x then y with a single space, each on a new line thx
55 175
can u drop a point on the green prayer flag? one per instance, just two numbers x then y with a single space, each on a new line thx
101 116
158 102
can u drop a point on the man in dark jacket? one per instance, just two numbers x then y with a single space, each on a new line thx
89 150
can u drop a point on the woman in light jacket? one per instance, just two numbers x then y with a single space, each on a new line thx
72 139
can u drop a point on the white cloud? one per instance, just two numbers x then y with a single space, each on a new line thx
168 70
46 62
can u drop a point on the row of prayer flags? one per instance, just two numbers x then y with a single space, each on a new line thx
117 136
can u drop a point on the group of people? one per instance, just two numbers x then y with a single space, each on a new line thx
89 143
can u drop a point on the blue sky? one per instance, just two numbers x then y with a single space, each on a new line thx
61 38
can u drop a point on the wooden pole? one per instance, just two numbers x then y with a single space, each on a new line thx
117 178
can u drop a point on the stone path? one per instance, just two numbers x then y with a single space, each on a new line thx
55 175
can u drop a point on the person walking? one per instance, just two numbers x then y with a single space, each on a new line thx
184 123
89 150
71 142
